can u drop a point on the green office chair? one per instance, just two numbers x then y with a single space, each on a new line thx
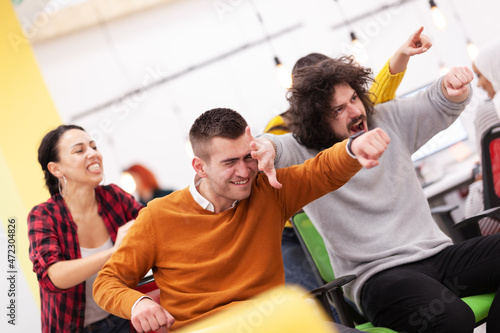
315 250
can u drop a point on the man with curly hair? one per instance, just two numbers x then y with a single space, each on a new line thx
410 276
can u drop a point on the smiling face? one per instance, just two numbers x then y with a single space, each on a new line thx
79 160
229 172
348 112
483 82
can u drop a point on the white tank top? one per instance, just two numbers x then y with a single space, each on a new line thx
93 312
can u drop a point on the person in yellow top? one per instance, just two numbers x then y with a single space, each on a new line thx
217 242
385 84
383 89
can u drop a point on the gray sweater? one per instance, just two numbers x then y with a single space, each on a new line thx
381 218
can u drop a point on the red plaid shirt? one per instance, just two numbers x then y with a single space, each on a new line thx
53 237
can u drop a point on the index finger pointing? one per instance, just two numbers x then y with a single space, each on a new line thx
248 133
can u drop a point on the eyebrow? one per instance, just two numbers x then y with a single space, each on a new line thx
336 106
81 144
235 158
230 160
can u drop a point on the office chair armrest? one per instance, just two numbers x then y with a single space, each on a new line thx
445 209
332 285
448 225
147 279
492 212
333 288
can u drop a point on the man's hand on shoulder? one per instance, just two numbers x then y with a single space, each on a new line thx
150 316
369 147
455 84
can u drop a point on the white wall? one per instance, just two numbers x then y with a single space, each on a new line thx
94 66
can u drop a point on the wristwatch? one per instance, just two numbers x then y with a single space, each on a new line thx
349 142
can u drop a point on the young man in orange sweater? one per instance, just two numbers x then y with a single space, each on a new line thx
218 241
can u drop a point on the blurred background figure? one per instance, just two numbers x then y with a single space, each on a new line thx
146 185
487 68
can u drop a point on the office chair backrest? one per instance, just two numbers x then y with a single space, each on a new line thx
315 245
490 149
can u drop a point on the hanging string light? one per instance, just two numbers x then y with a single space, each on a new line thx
472 49
437 16
358 49
283 74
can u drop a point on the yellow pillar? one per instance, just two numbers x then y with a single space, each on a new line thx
26 114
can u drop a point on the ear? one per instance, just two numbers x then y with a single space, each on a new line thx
199 166
54 169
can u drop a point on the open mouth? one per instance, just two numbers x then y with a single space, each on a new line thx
358 126
241 182
94 167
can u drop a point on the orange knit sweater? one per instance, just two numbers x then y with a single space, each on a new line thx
203 261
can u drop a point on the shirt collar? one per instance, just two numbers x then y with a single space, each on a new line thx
202 201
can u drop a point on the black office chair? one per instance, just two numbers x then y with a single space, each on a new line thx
469 228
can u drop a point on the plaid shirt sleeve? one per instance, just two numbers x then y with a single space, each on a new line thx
45 247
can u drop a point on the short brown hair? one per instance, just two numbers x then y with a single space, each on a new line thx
220 122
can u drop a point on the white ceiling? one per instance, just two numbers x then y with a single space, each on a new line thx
46 19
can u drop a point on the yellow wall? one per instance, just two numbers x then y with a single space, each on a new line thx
26 114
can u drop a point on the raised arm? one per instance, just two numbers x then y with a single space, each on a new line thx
390 76
455 85
367 148
418 43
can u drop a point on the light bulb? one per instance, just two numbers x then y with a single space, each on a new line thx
437 16
472 50
358 50
127 182
284 75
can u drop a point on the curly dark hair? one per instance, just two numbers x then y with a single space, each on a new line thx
220 122
311 93
49 152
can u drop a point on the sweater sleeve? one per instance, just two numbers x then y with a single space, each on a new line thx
324 173
385 85
288 151
113 288
417 119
